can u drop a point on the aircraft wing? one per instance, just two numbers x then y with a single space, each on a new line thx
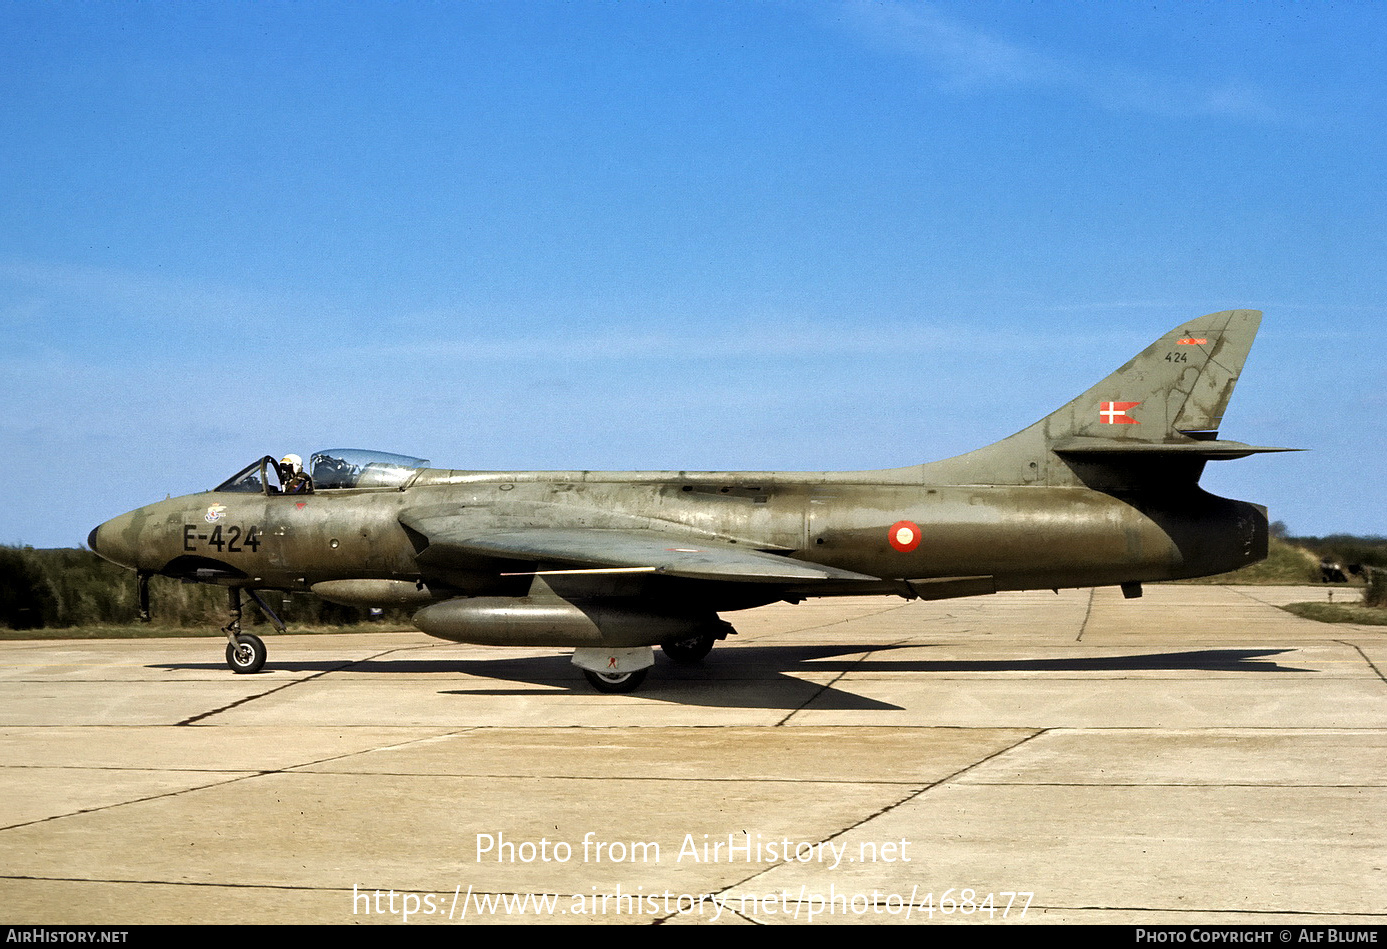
562 550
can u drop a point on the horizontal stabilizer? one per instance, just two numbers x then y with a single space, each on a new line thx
1212 450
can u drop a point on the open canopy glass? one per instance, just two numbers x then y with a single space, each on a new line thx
330 469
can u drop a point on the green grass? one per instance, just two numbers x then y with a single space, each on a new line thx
1286 565
1340 613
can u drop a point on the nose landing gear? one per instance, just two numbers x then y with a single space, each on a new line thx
142 593
246 652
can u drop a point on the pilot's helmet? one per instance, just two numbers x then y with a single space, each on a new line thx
293 462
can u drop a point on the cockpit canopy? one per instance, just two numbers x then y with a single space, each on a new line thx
355 468
328 470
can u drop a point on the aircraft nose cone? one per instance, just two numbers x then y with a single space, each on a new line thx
106 541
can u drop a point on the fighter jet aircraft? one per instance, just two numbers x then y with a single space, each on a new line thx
1103 491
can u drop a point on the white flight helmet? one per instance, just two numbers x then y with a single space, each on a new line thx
293 462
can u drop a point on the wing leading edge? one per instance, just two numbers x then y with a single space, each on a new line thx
559 550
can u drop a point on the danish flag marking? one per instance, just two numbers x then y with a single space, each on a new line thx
1115 413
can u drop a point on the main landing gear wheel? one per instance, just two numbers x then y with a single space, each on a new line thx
616 682
246 654
690 651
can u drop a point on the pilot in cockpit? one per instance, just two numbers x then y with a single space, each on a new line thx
292 478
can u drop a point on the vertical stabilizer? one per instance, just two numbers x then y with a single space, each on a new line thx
1159 413
1178 386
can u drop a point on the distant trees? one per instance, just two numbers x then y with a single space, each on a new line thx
26 597
70 587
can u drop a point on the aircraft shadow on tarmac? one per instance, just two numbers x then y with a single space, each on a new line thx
763 676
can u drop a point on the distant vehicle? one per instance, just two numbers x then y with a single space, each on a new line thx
1333 572
1103 491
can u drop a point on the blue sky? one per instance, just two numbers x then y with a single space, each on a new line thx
677 235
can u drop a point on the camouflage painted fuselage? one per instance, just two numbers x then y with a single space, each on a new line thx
1104 491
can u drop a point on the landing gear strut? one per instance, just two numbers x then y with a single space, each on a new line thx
142 594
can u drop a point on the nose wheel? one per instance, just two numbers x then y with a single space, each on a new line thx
246 653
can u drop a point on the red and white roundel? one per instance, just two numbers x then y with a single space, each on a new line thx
904 536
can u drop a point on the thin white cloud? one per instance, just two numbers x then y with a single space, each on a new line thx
961 55
970 59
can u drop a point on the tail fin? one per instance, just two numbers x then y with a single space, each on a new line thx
1155 418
